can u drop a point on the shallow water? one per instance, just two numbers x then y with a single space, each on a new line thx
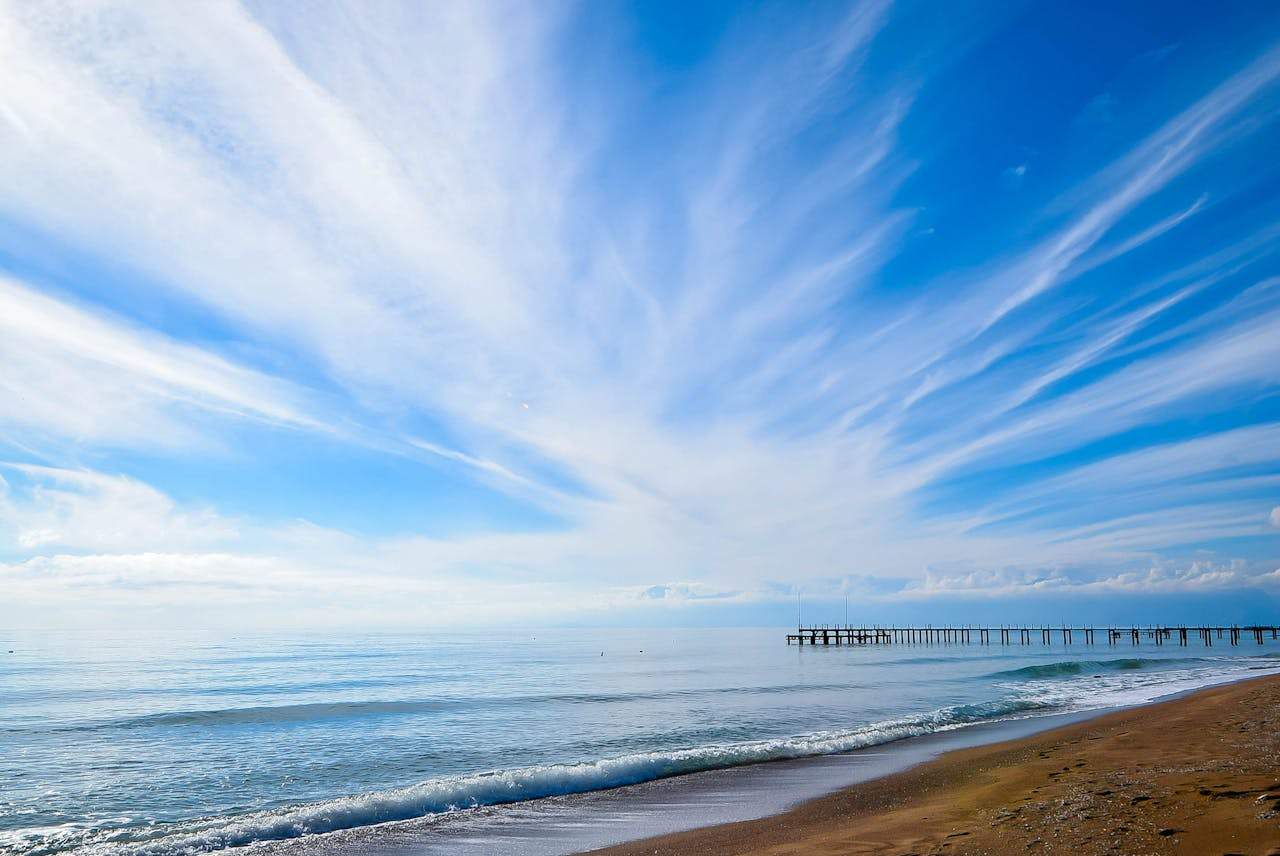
165 743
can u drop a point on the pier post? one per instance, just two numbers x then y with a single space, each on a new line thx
949 634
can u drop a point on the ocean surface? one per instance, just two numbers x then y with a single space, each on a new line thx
163 743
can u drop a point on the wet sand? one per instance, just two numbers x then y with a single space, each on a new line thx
1196 774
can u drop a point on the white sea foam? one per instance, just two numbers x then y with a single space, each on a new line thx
506 786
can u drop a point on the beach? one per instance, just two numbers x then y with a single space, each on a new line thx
1195 774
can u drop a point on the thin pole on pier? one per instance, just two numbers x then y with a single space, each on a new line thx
949 634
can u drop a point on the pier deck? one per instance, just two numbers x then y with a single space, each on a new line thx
1173 634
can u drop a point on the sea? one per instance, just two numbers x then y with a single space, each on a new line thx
531 742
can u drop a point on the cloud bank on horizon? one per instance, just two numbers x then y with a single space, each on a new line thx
514 309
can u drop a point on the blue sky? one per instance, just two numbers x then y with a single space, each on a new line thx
655 312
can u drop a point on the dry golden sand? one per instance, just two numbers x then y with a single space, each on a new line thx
1199 774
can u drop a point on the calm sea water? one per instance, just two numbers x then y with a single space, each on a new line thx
165 744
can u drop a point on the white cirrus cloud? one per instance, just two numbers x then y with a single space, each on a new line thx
681 358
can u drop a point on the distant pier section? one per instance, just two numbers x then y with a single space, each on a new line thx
1174 634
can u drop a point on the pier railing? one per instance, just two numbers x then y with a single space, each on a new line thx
1158 634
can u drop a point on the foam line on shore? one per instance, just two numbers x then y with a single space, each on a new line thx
438 796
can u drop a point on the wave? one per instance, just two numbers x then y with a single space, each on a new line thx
1069 668
962 656
318 711
278 713
438 796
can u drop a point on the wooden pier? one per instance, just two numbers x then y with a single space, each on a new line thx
1179 634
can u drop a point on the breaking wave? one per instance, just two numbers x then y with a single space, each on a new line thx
438 796
1068 668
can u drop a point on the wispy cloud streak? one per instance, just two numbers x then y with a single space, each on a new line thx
690 314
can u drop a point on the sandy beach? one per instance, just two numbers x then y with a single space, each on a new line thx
1195 774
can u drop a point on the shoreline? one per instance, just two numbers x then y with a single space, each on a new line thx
588 820
1197 772
678 810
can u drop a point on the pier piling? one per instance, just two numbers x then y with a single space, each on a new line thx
847 634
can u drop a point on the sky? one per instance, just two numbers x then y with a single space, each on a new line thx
442 314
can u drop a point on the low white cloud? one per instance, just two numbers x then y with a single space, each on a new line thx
685 592
86 510
1157 577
